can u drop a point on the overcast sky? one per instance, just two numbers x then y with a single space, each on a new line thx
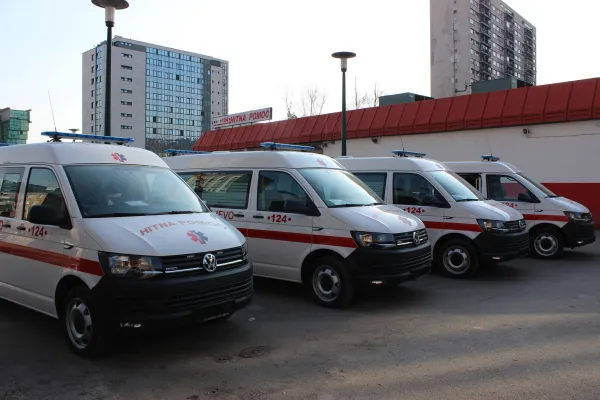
272 46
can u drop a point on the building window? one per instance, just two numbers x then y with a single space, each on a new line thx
127 67
126 115
128 91
125 79
92 69
92 104
126 103
126 127
126 55
470 20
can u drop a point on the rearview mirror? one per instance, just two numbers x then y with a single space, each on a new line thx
44 215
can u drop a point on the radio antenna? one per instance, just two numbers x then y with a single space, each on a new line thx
52 109
490 146
402 142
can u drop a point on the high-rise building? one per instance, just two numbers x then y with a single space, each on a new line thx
162 97
478 40
14 125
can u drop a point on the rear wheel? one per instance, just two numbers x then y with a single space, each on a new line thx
546 242
457 258
331 284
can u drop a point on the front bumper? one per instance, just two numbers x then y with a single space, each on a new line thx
154 301
579 233
502 246
398 265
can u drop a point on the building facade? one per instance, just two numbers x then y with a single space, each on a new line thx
162 97
14 125
478 40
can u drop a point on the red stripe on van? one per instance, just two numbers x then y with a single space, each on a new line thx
301 238
546 217
455 226
48 257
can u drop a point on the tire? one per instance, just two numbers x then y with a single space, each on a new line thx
547 243
457 258
330 283
85 329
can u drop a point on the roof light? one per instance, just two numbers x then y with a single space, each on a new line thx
4 144
284 146
175 152
57 136
489 157
403 153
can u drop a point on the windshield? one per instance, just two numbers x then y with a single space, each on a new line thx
339 188
126 191
457 187
543 189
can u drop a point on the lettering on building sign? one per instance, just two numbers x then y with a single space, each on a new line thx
248 117
164 225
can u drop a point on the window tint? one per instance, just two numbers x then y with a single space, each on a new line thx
414 190
376 181
10 186
275 188
221 189
473 179
506 188
43 189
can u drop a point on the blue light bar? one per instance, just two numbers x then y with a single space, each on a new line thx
4 144
284 146
56 136
176 152
403 153
489 157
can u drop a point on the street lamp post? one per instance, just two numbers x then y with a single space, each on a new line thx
343 56
110 6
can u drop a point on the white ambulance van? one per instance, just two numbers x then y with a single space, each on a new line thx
465 230
554 222
105 237
309 220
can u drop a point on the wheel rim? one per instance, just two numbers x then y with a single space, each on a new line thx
326 283
456 260
546 244
79 323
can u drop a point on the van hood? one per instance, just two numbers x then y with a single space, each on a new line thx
163 235
378 219
491 209
564 204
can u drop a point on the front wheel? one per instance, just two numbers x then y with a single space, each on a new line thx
331 284
546 242
458 258
86 332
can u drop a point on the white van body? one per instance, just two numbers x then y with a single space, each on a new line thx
132 261
287 243
553 222
464 228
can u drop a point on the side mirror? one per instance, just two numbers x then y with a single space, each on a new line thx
44 215
527 198
300 207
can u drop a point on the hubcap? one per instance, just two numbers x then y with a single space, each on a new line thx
326 283
79 323
456 260
545 244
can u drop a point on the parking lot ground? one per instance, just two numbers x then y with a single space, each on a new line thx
528 329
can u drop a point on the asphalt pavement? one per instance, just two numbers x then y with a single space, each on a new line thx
527 329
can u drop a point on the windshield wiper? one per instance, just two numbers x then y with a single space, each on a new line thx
461 200
176 212
352 205
117 214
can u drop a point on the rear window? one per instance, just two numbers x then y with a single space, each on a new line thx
376 181
221 189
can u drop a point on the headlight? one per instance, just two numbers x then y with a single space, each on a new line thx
576 216
245 250
374 240
493 226
134 266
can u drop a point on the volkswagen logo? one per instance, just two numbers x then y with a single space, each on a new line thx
416 238
209 262
522 224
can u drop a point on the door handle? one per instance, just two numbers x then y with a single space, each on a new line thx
239 215
21 227
538 210
67 245
448 217
316 229
258 216
7 225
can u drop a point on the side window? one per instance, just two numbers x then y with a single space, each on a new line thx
376 181
473 179
221 189
506 188
43 189
414 190
10 186
275 188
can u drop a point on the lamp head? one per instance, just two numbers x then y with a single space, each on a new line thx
344 56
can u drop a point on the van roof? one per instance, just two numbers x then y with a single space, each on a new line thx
390 164
65 153
481 166
252 159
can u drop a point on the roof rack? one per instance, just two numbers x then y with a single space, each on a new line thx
57 136
403 153
174 152
4 144
284 146
489 157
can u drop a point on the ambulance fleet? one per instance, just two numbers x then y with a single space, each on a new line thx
106 237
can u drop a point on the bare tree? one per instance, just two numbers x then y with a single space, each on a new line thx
161 142
288 99
311 103
367 99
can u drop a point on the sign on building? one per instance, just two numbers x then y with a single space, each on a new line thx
245 118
